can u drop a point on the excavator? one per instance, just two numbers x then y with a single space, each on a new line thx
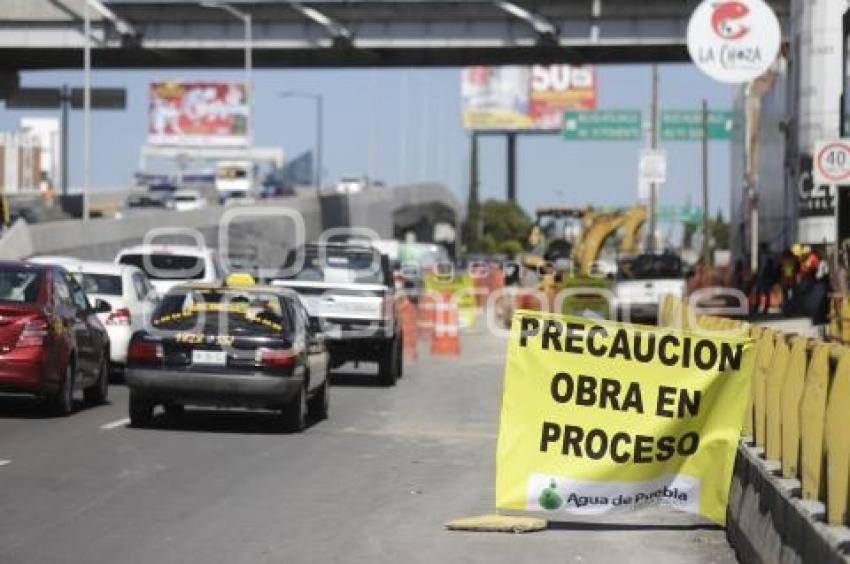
566 243
579 234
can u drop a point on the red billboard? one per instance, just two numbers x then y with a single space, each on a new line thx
525 98
198 113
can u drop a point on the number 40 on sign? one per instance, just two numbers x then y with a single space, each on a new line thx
832 162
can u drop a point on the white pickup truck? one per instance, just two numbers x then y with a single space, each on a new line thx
349 289
642 281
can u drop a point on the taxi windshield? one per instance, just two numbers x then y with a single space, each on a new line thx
222 312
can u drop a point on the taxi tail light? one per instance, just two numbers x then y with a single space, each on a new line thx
33 333
278 358
119 317
144 350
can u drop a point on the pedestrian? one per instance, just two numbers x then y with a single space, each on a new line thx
766 278
788 267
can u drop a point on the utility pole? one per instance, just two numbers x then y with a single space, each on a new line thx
511 143
653 144
65 101
706 228
86 110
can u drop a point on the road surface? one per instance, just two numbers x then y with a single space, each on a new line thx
374 483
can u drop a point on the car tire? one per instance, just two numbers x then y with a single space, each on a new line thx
62 402
99 392
141 411
318 405
174 410
388 365
294 414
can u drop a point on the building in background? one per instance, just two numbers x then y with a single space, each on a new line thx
787 111
46 130
20 163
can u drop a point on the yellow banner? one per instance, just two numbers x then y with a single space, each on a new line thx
601 417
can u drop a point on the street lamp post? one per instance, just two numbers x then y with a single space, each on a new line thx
249 65
319 100
86 110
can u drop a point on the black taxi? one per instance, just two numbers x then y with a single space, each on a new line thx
229 346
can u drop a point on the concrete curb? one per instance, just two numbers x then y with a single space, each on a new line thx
768 522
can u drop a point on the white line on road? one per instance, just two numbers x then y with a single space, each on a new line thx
4 462
115 424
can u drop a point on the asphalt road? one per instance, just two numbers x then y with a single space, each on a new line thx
374 483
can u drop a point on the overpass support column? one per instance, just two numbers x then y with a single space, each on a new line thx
511 143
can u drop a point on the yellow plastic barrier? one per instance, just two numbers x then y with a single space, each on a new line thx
764 355
798 405
838 442
812 418
792 394
774 383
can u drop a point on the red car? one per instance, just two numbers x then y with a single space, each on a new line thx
51 341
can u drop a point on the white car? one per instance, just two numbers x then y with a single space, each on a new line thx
189 200
125 288
642 281
169 265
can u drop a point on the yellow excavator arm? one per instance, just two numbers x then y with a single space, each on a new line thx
594 238
635 217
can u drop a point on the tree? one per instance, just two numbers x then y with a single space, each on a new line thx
720 231
505 227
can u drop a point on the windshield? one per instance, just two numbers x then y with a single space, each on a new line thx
19 285
166 266
106 284
222 312
340 266
648 267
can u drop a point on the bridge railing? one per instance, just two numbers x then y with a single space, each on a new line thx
796 438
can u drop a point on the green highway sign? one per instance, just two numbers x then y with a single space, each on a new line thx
684 214
602 125
686 125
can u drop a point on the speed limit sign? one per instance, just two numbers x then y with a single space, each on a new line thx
832 162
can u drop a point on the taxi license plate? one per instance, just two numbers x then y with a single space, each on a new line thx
217 358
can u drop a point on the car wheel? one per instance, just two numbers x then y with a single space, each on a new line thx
388 365
294 414
99 392
174 410
62 402
141 411
318 405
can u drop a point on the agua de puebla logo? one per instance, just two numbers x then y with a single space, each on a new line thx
733 41
551 498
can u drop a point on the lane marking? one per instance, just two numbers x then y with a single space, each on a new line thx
116 424
4 462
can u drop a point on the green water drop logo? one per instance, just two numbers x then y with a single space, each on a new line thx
550 498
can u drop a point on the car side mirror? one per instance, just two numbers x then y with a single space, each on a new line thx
314 325
102 306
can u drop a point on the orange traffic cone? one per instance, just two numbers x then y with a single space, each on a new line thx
409 335
446 338
425 314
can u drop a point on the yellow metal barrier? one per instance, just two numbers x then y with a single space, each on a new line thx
837 442
798 406
792 393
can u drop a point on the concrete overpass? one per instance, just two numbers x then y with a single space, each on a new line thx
36 34
266 230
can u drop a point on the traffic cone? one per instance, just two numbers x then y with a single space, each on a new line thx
409 335
425 314
445 340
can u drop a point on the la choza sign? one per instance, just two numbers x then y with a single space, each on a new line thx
734 41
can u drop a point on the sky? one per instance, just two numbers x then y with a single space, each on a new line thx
404 125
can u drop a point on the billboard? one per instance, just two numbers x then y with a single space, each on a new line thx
525 98
198 114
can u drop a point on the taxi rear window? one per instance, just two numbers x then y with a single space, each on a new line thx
230 312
